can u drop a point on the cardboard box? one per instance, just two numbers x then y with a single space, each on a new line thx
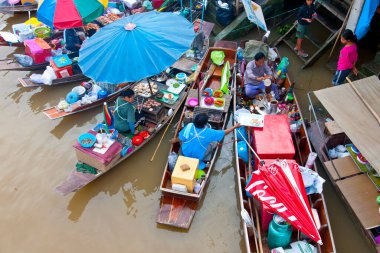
85 158
332 128
185 177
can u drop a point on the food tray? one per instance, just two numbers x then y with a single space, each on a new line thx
221 108
177 90
367 168
166 101
251 120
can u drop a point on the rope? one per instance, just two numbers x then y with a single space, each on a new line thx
251 24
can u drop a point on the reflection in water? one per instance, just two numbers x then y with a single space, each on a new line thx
91 117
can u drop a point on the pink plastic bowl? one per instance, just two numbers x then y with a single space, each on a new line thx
193 102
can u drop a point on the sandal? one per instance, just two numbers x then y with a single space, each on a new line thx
302 54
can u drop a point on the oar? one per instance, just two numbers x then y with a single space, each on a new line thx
364 101
166 129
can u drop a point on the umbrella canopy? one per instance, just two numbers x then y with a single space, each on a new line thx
135 47
280 187
62 14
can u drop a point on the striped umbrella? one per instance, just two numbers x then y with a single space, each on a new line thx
62 14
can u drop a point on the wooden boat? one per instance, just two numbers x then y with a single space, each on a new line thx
254 237
18 8
178 208
78 180
357 183
56 35
12 64
55 113
76 77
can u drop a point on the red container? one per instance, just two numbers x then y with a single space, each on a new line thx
157 3
38 49
274 140
61 72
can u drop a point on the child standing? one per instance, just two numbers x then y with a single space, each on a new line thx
347 58
305 16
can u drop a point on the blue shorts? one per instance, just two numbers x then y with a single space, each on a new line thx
252 90
340 76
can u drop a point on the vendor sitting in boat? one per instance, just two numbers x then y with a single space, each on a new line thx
127 118
146 6
74 39
199 140
256 72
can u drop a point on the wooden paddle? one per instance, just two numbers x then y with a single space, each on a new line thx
209 73
364 101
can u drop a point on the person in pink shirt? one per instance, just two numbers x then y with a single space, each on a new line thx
347 58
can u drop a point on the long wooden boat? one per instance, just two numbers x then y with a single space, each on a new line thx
56 35
356 183
12 64
18 8
55 113
178 208
78 179
254 237
76 77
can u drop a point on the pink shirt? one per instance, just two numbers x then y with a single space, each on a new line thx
348 57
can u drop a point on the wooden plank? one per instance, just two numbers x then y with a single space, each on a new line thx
177 212
345 166
361 194
184 64
332 128
320 51
228 29
226 44
291 30
292 45
18 8
354 118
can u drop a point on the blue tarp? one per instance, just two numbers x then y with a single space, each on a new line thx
369 9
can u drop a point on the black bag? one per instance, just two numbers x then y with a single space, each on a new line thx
225 16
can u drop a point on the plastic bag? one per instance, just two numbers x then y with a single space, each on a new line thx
172 159
24 60
57 52
252 47
225 16
272 55
48 76
36 78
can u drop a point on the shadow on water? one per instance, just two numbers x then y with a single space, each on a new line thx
129 180
76 120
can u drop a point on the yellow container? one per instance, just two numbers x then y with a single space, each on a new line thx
186 177
33 21
27 2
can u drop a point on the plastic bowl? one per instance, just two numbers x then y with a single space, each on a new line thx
91 140
193 102
80 90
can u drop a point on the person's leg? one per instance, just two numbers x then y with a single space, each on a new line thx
340 76
252 90
301 31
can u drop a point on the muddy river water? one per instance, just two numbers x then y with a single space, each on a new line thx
117 212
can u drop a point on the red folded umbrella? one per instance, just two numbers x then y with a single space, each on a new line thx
280 187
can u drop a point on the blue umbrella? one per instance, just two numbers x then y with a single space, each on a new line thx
136 47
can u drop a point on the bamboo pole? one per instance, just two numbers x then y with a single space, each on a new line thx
364 101
341 29
163 135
